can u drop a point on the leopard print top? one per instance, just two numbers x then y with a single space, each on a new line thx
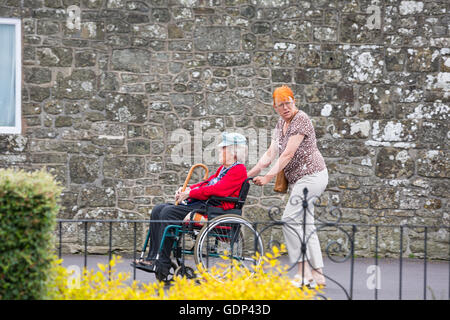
307 159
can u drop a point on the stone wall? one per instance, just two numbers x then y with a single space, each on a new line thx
107 82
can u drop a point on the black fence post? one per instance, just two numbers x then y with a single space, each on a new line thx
110 251
207 246
134 250
401 265
85 244
303 244
60 240
376 263
352 264
255 243
425 265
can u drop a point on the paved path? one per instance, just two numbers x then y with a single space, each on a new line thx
437 277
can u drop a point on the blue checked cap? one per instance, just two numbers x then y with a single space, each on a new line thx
232 138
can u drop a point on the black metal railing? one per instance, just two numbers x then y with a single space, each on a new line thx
335 251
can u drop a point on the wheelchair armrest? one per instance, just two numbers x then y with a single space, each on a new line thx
211 210
227 199
215 201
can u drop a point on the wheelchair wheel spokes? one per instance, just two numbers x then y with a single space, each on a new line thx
225 242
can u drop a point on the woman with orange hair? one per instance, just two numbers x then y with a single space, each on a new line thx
294 144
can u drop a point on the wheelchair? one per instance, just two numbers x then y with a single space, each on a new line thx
216 233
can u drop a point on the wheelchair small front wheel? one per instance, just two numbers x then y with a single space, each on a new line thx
183 271
230 236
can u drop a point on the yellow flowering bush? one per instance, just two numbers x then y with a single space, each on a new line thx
268 281
107 284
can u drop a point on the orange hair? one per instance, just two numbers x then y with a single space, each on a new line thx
282 94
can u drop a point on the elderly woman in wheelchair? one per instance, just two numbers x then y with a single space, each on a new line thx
222 195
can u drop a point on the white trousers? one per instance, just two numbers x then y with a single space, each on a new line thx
293 216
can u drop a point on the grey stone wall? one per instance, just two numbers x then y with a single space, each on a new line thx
102 95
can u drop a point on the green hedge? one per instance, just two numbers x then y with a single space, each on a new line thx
28 209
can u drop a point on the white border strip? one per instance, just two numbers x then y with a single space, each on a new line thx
17 129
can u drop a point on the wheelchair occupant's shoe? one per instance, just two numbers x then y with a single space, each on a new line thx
162 270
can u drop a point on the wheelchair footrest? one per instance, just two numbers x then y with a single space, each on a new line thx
143 268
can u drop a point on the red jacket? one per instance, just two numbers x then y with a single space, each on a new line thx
229 186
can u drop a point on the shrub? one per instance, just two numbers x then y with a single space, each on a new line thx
267 281
28 208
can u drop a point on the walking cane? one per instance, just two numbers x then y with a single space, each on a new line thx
191 171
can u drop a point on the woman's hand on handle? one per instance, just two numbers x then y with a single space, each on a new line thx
261 180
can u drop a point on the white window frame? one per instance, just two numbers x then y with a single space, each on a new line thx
17 128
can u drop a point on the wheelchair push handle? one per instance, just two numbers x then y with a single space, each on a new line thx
191 171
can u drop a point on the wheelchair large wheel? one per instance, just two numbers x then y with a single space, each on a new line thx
231 236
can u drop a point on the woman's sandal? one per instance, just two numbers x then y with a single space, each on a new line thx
299 282
321 281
